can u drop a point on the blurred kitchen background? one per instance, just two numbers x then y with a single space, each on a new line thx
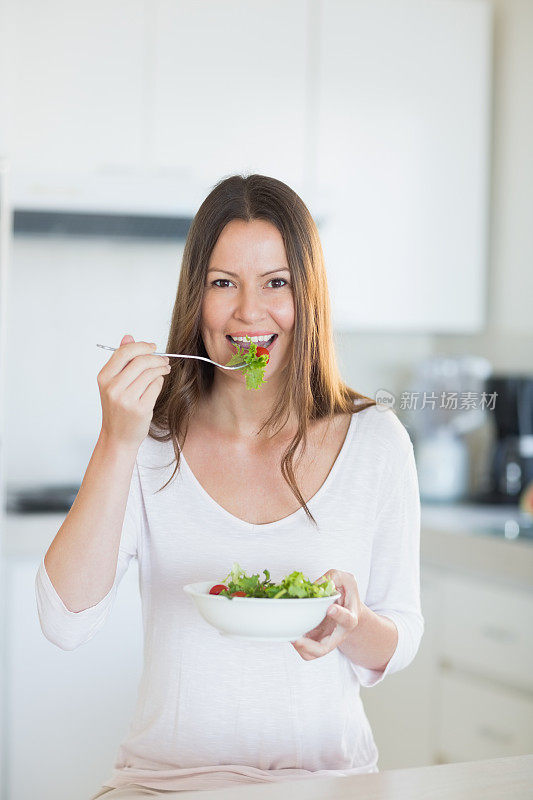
406 126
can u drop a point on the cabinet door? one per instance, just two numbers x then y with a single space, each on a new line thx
77 79
67 711
76 94
229 89
403 132
486 629
480 721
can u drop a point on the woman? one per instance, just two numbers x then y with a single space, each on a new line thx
304 474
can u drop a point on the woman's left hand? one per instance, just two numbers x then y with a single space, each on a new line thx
342 617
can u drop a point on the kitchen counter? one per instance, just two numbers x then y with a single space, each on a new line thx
506 521
471 538
472 780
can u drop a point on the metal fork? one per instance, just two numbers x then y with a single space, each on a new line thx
181 355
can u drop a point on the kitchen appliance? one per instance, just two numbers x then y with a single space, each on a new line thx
511 458
442 466
442 405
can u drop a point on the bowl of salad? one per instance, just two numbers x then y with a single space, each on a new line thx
246 607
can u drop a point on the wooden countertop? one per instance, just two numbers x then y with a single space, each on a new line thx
494 779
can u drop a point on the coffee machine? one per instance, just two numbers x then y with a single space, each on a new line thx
511 460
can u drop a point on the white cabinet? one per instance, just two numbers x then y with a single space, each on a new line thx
66 711
486 628
479 721
403 162
468 694
485 676
77 95
142 108
229 88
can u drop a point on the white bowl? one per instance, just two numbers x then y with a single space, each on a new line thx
261 619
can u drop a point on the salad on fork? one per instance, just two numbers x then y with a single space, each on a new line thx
256 358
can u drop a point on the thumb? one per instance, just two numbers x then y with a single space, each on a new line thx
127 339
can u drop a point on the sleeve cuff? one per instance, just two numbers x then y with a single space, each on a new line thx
61 626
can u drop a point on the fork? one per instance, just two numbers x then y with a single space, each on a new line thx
181 355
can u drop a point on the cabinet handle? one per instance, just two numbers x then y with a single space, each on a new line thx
495 736
499 634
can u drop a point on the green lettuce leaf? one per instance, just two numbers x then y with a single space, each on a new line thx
255 365
293 585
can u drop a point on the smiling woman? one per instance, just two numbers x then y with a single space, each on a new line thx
253 266
213 711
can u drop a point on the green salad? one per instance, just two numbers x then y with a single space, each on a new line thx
238 584
254 372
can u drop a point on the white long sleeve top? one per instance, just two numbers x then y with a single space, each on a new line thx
212 711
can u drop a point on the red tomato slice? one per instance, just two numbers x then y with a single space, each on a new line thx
262 351
217 588
239 594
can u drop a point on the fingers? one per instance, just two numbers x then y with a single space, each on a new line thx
343 616
310 649
134 379
132 372
345 584
127 364
123 355
152 392
349 600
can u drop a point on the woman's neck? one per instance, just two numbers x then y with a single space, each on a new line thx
236 417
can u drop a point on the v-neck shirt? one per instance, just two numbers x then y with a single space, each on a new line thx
213 711
337 464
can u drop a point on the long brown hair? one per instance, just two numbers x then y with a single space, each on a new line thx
312 385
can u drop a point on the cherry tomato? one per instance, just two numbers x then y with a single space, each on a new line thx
217 588
262 351
239 594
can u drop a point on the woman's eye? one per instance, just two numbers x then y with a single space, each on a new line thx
225 280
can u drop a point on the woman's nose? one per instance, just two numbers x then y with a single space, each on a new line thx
250 303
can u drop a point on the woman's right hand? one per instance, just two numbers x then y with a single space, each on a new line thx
129 385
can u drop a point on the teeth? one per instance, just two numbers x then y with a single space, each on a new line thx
253 338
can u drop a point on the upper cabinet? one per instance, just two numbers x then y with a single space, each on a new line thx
229 88
403 162
76 92
143 107
376 111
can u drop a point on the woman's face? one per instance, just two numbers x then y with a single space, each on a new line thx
241 299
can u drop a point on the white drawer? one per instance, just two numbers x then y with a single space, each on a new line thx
479 722
488 629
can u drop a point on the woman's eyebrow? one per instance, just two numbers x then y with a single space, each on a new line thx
234 274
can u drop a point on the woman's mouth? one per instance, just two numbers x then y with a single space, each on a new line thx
268 344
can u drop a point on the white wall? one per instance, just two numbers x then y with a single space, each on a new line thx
65 296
